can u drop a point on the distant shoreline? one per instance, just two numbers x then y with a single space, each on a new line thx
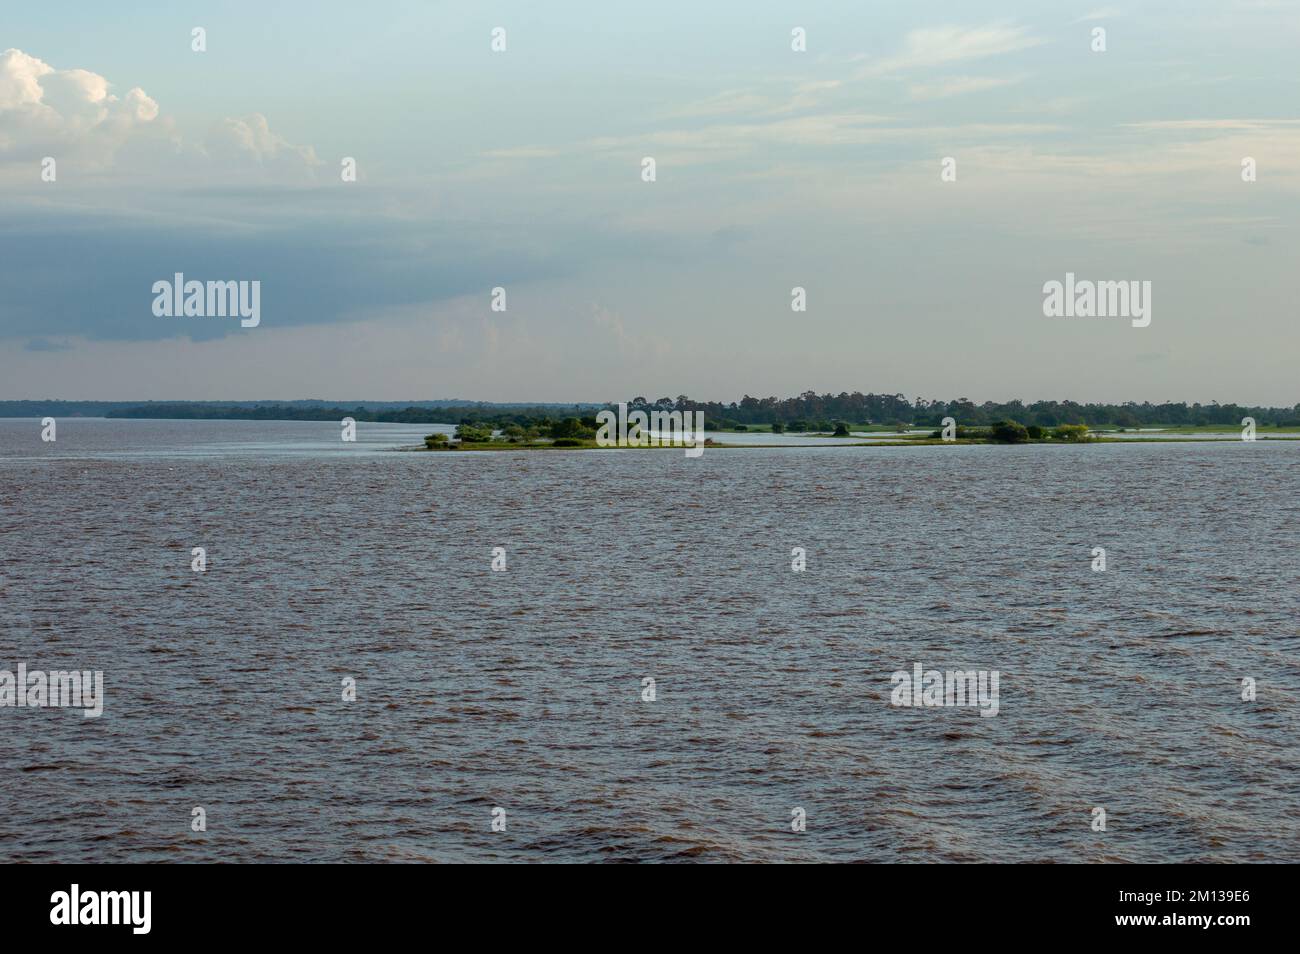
805 413
587 445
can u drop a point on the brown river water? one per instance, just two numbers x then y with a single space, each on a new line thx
522 689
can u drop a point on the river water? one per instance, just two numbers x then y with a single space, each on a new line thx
522 689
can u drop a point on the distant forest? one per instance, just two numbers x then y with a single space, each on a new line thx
810 410
859 408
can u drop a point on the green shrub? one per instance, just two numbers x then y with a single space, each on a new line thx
1071 432
566 442
571 427
1009 432
841 429
959 432
474 434
1036 433
432 441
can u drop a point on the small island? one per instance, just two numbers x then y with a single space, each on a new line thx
807 419
575 433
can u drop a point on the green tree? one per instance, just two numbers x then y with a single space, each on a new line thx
571 427
1071 432
1009 432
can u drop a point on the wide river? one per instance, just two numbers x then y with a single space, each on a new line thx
1120 691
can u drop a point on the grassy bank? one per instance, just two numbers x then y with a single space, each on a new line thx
1186 435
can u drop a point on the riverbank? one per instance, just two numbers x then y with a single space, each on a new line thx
902 441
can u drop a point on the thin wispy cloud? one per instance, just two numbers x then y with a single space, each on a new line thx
523 152
960 85
941 46
1214 124
1104 13
725 103
751 103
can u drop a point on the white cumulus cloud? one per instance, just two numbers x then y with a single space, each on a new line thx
251 138
76 115
48 110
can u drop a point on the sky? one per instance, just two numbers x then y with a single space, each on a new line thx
774 168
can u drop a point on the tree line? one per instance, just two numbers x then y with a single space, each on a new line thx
807 411
859 408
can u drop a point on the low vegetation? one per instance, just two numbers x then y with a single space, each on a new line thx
808 412
564 432
1013 432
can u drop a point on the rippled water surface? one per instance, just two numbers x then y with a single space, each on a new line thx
522 689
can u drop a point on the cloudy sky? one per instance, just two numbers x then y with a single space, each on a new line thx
775 168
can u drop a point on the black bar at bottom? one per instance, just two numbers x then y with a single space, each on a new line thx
1223 904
